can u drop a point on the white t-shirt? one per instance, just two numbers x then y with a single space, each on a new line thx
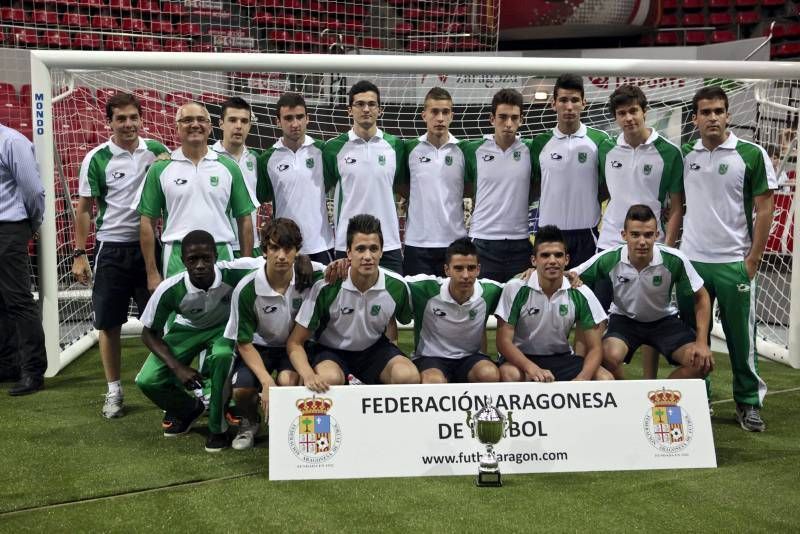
247 164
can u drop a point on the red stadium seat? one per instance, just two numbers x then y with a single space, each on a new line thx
669 5
178 98
172 8
372 43
264 18
303 39
773 3
163 27
696 38
287 21
428 26
118 43
694 19
22 125
147 44
148 6
75 20
149 98
403 28
133 25
723 18
103 94
669 21
24 36
208 97
746 3
87 41
792 30
105 22
719 4
56 39
787 50
309 22
8 90
278 36
13 14
202 47
748 18
416 46
91 3
190 29
41 17
25 94
120 5
694 4
722 36
666 39
175 45
469 43
453 27
248 3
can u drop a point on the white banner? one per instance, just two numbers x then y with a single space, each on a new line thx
399 431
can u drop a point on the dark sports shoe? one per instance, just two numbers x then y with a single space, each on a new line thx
749 418
217 442
173 426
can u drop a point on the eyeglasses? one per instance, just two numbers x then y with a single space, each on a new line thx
360 104
189 120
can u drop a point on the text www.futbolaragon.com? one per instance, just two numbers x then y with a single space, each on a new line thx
474 457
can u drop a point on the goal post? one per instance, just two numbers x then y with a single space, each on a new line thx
765 101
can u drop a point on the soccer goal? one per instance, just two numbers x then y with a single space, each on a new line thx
70 87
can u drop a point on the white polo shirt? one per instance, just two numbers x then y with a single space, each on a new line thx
443 328
364 173
502 187
342 317
114 177
566 167
542 324
720 187
247 164
295 182
644 295
195 197
646 175
436 199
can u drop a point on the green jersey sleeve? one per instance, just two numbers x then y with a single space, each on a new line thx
152 201
329 160
264 191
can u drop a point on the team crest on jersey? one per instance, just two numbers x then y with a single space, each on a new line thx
310 163
448 160
381 159
582 156
214 181
375 310
647 169
249 165
723 168
657 280
473 314
296 303
562 310
517 155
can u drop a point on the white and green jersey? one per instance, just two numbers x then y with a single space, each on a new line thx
644 295
502 188
114 177
194 307
542 324
200 197
295 182
642 175
443 328
364 174
247 164
436 199
342 317
261 315
565 167
720 187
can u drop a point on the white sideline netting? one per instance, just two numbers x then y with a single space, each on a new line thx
79 125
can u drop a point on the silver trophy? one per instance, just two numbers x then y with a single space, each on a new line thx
490 426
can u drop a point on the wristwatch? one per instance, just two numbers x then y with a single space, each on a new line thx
78 252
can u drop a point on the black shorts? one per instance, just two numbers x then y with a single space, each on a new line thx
391 259
665 335
503 259
422 260
454 369
564 366
119 276
275 359
366 365
324 257
581 245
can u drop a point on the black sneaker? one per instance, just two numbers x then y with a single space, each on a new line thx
173 426
217 442
749 418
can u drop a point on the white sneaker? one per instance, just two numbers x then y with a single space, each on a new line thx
245 438
112 407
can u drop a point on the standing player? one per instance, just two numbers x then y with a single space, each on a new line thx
434 188
534 318
365 164
111 174
195 189
235 125
725 178
499 168
349 319
291 174
642 275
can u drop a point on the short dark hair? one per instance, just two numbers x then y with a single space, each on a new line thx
548 233
234 102
363 224
120 100
289 100
639 212
198 237
283 232
511 97
438 93
568 81
463 246
626 95
363 86
773 151
710 92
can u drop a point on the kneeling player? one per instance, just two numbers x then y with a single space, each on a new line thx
263 309
643 273
534 318
350 317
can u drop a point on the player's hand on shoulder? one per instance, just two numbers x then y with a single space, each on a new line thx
337 270
526 274
574 280
303 272
315 383
164 156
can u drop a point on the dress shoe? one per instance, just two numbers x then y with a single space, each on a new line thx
26 386
9 375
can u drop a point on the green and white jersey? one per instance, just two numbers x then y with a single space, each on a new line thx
342 317
295 182
642 175
720 187
262 316
200 197
436 199
247 164
502 187
114 177
444 328
565 166
364 174
644 295
542 324
192 306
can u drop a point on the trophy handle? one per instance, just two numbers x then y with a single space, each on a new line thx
508 423
469 423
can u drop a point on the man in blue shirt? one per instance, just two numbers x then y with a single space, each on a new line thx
22 352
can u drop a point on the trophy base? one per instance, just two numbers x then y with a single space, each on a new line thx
490 479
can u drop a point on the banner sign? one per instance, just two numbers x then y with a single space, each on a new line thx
421 430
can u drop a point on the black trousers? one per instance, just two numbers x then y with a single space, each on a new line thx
21 334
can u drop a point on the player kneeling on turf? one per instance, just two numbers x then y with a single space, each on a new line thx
643 273
263 309
349 319
535 316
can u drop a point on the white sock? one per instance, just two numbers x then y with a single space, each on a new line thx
115 387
